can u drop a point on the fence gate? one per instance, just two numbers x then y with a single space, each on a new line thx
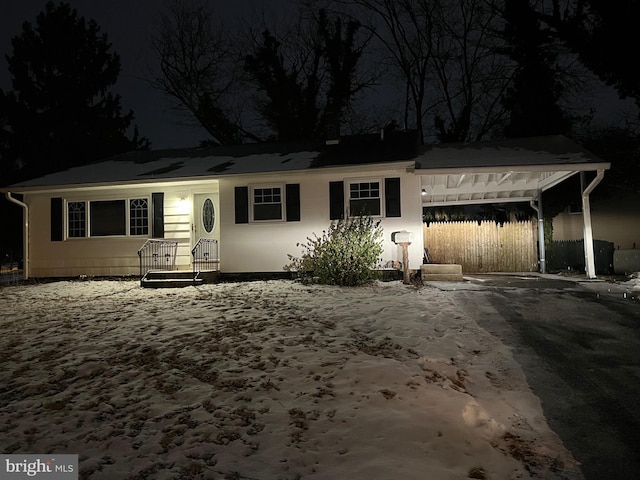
482 247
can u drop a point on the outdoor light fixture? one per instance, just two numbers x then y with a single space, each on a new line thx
183 205
424 191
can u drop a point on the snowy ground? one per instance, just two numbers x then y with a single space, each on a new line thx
265 380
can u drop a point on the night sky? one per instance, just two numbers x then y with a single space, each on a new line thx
129 25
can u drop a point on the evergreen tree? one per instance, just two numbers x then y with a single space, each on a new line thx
317 86
60 112
604 36
290 107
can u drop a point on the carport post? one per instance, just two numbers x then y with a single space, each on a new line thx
589 256
541 249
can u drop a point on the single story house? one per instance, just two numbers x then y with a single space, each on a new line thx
257 201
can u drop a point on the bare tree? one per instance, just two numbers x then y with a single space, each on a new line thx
402 30
469 73
448 56
199 68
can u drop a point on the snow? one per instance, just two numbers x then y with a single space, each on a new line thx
634 283
174 168
269 380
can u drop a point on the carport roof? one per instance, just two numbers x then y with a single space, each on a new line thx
512 170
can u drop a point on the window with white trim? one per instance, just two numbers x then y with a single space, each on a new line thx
266 203
102 218
77 219
365 198
107 218
139 216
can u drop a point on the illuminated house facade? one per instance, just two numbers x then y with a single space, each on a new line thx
258 201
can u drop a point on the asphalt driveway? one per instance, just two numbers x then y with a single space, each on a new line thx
578 343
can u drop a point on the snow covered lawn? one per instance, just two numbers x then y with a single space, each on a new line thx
265 380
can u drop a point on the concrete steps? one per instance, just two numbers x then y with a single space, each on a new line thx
177 278
441 272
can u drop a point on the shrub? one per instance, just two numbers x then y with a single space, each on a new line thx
345 254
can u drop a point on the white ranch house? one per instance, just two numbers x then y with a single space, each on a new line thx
257 201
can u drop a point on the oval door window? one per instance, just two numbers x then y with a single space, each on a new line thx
208 215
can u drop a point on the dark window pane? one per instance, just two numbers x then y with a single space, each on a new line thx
364 207
208 215
267 211
364 190
108 218
266 195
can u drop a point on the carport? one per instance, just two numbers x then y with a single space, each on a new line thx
515 170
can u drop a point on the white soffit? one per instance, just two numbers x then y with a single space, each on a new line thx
496 172
488 187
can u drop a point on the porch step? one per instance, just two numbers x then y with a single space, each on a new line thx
176 279
169 282
447 272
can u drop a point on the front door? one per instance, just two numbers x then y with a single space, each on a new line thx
205 210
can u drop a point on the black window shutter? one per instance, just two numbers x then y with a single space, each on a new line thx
336 200
242 204
293 202
57 219
392 197
157 200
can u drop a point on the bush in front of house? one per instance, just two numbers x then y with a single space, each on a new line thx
345 254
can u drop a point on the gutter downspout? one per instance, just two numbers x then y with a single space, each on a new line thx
541 248
25 233
589 257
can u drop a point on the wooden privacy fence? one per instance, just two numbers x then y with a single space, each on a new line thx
483 247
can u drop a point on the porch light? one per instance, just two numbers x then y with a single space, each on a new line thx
424 191
183 205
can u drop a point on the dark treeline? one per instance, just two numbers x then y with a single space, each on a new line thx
454 70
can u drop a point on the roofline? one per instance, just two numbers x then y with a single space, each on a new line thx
406 165
563 167
479 201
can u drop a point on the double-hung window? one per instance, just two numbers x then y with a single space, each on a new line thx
365 198
267 203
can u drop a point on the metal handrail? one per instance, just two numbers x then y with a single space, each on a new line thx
205 253
157 255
